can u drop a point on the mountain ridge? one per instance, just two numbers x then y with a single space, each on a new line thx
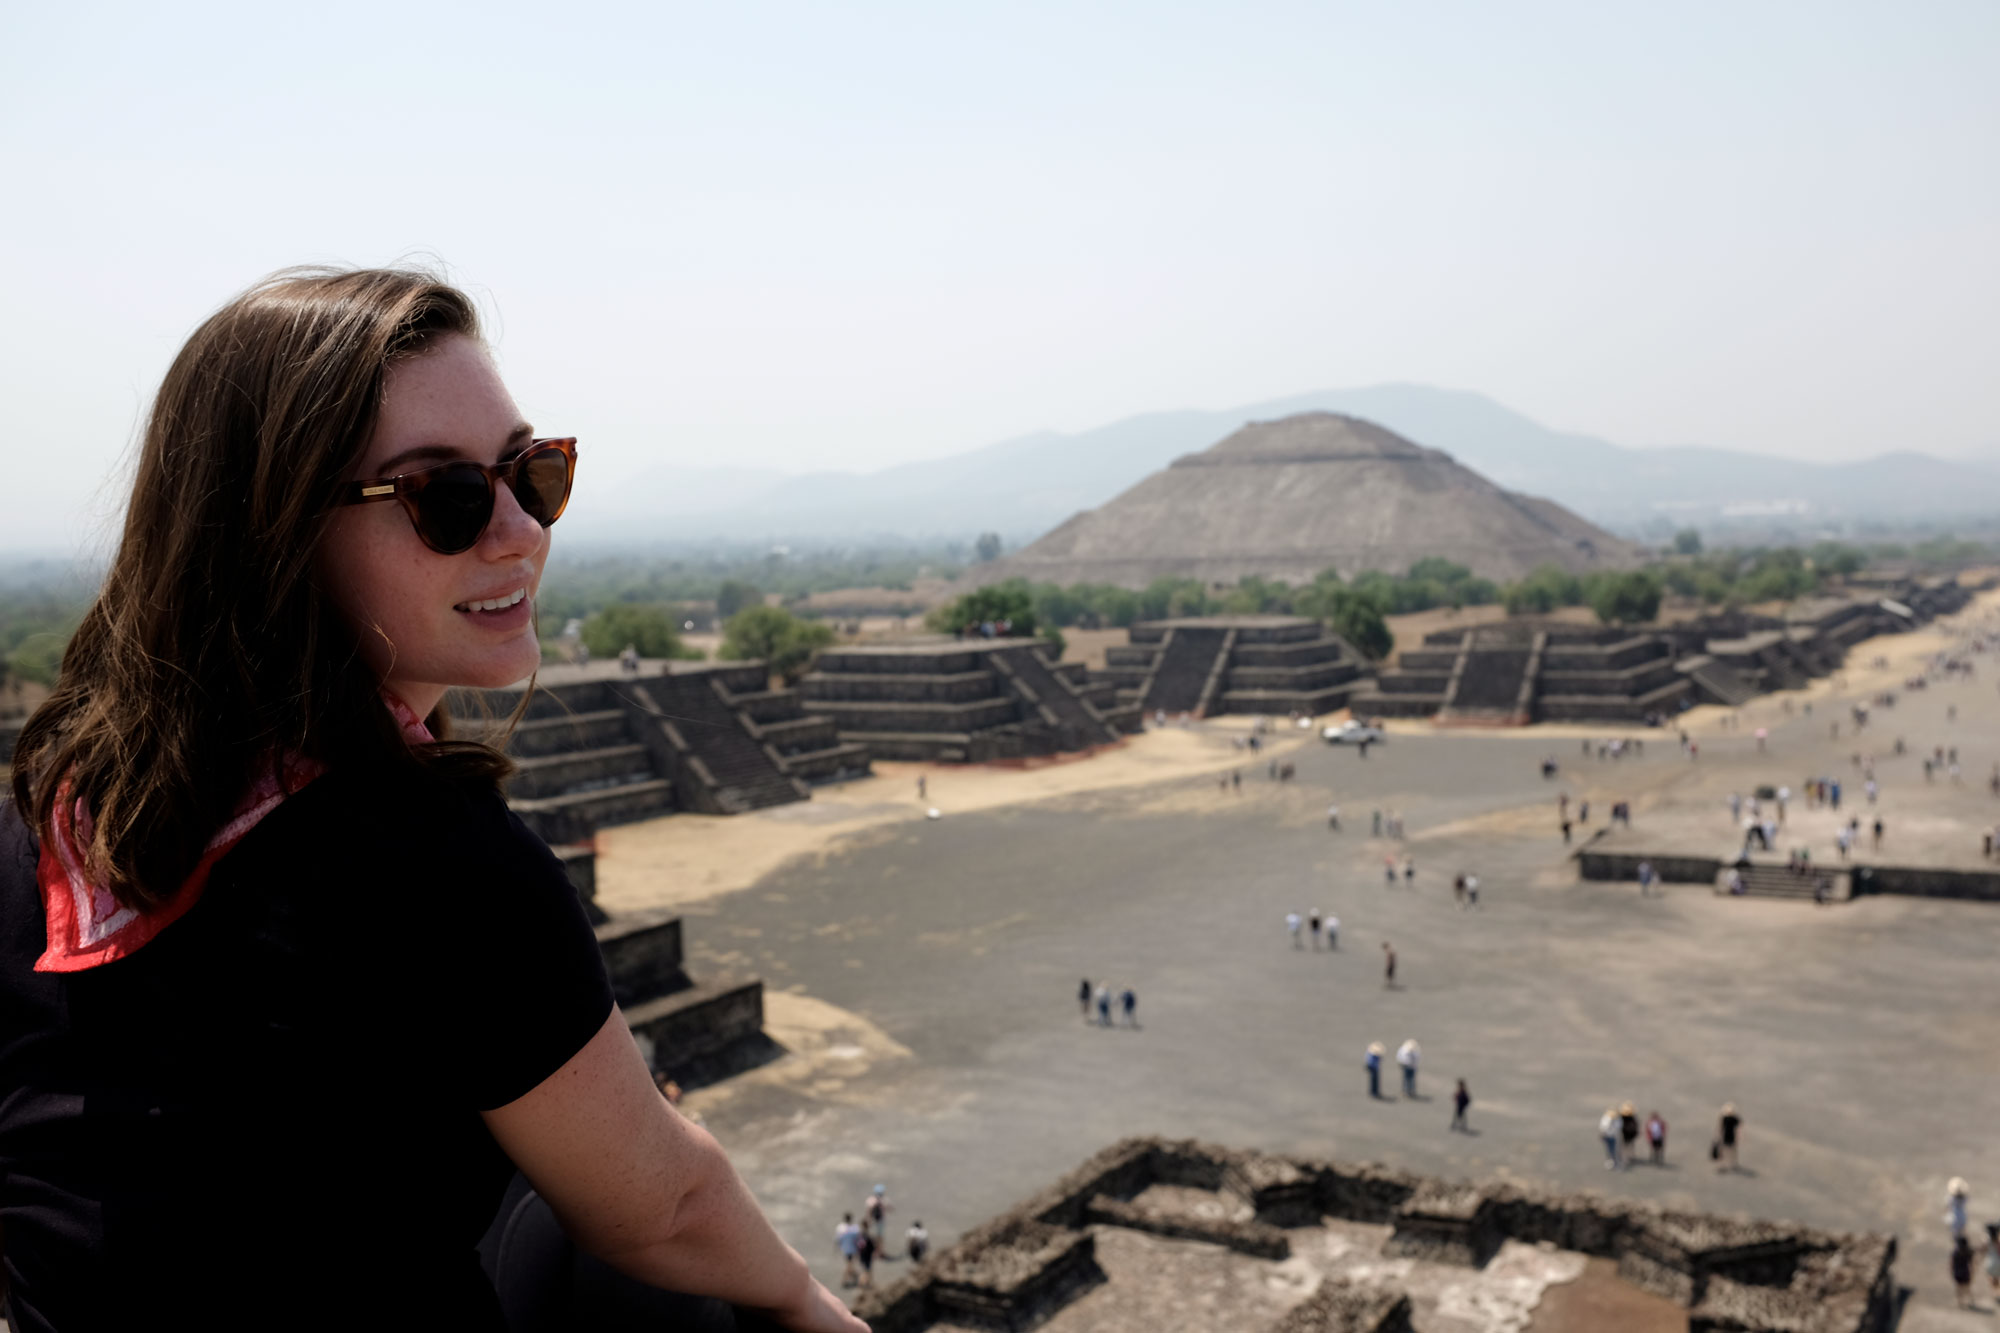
1027 484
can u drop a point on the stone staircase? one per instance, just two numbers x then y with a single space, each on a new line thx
808 746
694 1032
691 713
1779 881
1187 662
1716 682
1078 723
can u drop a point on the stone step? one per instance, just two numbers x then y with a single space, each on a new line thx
554 735
843 759
642 956
606 805
944 747
798 733
580 770
699 1022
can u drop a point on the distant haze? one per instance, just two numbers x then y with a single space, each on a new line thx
786 238
1023 487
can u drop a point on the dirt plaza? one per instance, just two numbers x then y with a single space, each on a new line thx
923 972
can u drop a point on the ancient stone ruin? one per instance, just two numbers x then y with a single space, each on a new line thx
1039 1263
716 739
1232 664
1525 669
970 700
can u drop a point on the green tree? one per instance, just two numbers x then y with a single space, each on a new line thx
1012 601
1172 598
987 548
733 596
1358 620
650 629
1625 599
786 643
1543 591
1687 542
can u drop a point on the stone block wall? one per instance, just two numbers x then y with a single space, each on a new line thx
1743 1277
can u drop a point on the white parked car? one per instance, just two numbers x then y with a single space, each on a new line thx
1351 732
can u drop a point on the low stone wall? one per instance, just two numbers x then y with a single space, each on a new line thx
642 955
1593 863
698 1022
1260 1239
1914 881
1736 1276
1339 1306
1925 882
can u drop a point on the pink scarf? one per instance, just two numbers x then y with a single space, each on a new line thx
87 927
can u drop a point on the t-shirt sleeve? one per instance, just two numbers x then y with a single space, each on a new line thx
523 983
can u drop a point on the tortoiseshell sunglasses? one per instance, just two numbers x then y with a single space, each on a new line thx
451 504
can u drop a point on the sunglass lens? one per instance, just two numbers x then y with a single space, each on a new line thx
454 509
541 485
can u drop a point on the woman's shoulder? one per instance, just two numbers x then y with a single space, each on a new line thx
403 825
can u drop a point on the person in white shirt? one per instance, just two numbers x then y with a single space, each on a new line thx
1407 1055
1292 923
1332 932
1607 1129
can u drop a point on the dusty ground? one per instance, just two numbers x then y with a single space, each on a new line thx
924 974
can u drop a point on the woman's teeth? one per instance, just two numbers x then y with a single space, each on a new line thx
494 603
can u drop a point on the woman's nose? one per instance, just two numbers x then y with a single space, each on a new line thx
512 532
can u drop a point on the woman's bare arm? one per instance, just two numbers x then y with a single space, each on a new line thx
639 1186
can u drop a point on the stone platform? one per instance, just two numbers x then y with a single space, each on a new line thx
1064 1259
963 700
1209 665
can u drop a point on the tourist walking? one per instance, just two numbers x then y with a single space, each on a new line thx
1083 994
1656 1138
1389 871
1727 1131
1104 1006
875 1216
1409 872
1373 1062
1333 818
1961 1271
846 1238
1388 966
1293 922
1332 931
864 1254
1460 1100
1128 1000
1607 1130
1471 891
1992 1259
1407 1055
1313 925
1645 879
1628 1131
1956 1191
1458 889
917 1241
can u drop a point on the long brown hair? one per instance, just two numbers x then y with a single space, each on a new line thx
211 649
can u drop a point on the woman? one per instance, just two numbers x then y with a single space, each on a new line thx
286 992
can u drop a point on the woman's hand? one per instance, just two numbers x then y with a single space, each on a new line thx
817 1310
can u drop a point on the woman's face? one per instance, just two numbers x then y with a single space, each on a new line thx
415 611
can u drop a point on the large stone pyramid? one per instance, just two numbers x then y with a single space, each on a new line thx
1286 499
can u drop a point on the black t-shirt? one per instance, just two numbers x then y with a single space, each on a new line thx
268 1116
1729 1124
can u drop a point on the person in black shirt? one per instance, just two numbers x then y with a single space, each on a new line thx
287 994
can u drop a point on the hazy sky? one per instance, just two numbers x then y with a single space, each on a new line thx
806 236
